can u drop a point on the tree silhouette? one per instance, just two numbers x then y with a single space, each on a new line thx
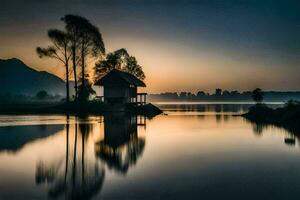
257 95
119 59
86 40
58 50
90 42
72 26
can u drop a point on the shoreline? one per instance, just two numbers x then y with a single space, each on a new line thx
287 117
89 108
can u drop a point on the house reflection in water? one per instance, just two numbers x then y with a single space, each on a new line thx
76 176
79 173
121 146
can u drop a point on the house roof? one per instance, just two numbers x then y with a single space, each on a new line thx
114 75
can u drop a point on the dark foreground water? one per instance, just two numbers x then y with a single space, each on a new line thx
201 153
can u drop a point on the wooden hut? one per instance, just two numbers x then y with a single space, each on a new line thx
121 88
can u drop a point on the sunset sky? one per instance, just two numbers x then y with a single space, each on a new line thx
186 45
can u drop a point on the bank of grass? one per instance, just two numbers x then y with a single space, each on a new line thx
287 117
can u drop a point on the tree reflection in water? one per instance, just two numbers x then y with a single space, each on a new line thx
121 146
76 177
290 138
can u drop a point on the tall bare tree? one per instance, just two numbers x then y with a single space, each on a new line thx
58 50
86 40
91 45
73 30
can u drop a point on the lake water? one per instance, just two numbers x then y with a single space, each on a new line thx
193 152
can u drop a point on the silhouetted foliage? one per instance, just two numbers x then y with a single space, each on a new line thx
218 92
86 40
58 50
257 95
121 60
183 94
239 96
91 43
73 30
80 40
200 94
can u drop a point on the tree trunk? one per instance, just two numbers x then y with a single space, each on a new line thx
82 64
67 83
74 69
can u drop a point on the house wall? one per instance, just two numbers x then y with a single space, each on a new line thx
120 94
114 92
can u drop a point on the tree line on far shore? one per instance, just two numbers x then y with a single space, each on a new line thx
256 95
78 43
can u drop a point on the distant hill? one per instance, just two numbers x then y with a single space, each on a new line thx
17 78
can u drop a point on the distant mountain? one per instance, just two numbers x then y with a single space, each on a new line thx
17 78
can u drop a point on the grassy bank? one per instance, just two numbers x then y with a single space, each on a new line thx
287 117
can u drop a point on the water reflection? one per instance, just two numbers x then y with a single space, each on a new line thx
121 146
106 157
289 136
13 138
217 108
258 128
81 176
76 176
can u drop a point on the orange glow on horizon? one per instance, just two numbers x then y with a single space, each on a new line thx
193 70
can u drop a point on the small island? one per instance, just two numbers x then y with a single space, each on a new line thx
287 116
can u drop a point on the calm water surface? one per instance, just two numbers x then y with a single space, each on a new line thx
200 152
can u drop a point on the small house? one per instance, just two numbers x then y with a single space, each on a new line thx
121 88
